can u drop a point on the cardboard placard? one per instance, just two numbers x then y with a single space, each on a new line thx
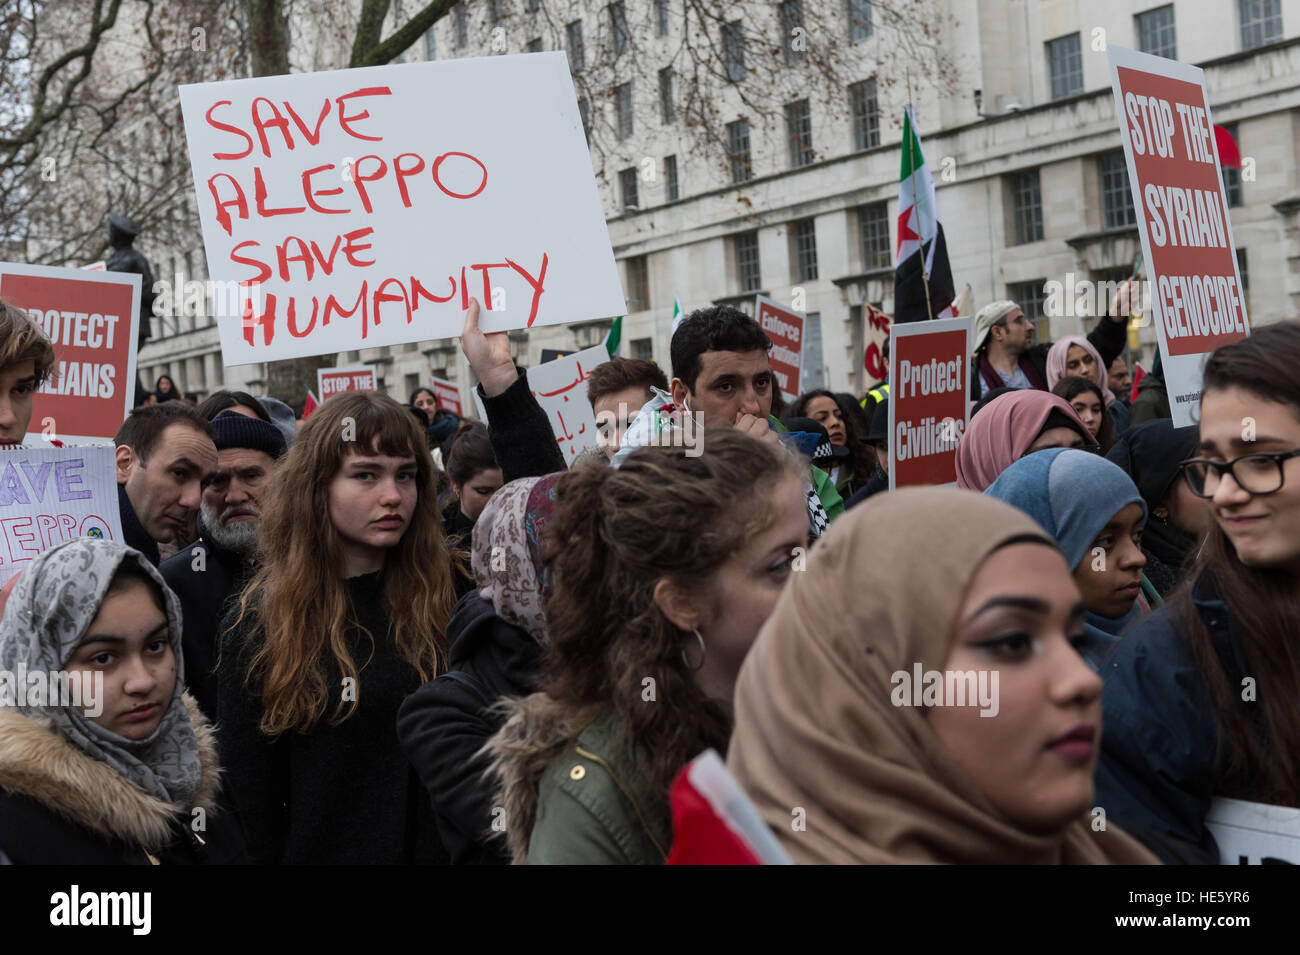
335 381
49 495
1182 216
929 375
1253 833
785 328
92 319
364 207
448 395
560 388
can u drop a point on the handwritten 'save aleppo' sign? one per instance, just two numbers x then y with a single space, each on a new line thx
359 208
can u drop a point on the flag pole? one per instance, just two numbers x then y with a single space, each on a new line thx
925 269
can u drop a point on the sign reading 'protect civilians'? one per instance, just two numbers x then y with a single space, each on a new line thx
364 207
929 375
1182 216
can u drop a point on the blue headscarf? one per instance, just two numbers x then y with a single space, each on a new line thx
1073 495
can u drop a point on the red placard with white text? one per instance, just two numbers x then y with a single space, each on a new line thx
335 381
784 327
448 396
929 376
91 318
1182 217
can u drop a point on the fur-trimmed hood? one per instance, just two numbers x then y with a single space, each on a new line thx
38 761
536 732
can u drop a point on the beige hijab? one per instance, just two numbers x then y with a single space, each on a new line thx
815 728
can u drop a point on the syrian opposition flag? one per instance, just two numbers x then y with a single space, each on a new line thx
922 253
714 823
309 405
677 315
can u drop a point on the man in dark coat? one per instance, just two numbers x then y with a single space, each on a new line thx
163 453
213 570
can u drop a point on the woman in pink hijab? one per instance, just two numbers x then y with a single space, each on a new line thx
1009 427
1075 355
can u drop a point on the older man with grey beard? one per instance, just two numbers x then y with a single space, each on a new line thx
212 571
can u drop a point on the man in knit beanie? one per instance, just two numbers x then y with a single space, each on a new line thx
212 570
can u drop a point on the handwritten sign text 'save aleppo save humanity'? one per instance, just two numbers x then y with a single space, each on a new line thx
360 208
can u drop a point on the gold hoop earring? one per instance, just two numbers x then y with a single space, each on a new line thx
703 651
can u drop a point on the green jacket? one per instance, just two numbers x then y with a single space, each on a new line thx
595 807
821 481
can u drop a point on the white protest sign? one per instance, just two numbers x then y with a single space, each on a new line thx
91 319
49 495
1182 217
560 388
448 395
1253 833
335 381
364 207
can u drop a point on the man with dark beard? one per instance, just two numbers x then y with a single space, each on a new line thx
214 568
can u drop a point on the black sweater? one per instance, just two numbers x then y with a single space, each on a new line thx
443 725
521 434
339 793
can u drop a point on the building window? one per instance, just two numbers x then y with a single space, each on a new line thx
738 151
638 283
1065 65
535 45
431 43
1260 21
1116 200
532 6
873 233
1156 32
666 94
618 25
865 112
661 17
462 23
623 109
798 131
585 112
859 20
804 236
670 178
814 367
1027 206
791 19
573 32
627 187
1030 297
1232 177
733 50
412 382
643 348
746 245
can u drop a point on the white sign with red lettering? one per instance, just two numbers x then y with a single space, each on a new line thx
448 395
1182 216
1254 833
784 327
335 381
365 207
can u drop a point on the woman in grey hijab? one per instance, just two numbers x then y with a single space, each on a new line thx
103 756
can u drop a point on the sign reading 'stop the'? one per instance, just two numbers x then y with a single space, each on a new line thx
365 207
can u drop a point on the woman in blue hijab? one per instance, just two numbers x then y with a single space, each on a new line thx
1094 512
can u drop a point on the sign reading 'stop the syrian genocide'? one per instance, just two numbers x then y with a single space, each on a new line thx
1182 217
365 207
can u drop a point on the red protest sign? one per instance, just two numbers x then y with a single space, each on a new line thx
335 381
448 396
785 329
91 318
1182 214
930 387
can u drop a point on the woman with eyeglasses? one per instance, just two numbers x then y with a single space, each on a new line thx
1202 698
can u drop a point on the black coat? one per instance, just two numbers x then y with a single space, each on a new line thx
443 725
1109 338
1161 764
339 793
133 532
204 595
521 433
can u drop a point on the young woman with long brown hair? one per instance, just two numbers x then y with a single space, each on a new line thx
1202 699
660 573
345 617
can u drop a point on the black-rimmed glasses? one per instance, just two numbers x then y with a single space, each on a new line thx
1257 473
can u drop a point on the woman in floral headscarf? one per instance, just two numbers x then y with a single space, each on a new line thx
129 775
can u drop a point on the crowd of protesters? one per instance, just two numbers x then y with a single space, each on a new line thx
388 635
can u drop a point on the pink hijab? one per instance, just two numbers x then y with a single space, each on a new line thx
1056 364
1002 432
